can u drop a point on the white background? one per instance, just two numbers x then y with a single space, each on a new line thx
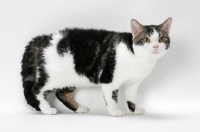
170 95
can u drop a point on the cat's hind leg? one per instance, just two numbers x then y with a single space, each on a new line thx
65 95
43 104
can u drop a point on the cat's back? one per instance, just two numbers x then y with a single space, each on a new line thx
82 41
87 46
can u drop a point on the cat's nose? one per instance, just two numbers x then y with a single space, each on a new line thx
156 46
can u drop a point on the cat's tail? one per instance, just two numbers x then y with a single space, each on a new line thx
29 67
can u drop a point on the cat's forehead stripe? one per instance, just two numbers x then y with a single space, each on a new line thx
150 30
154 36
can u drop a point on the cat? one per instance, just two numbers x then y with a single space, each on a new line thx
76 58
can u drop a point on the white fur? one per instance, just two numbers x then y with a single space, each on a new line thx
37 74
81 109
61 69
130 70
138 111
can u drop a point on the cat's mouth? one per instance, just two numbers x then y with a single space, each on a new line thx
155 52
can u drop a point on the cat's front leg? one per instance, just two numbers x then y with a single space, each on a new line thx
110 95
131 96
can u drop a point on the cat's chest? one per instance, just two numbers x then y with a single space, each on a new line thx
139 70
131 67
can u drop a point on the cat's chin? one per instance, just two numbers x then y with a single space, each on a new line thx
155 52
158 55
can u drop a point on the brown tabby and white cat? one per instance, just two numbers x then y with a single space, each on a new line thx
76 58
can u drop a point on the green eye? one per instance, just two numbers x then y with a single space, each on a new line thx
146 40
162 39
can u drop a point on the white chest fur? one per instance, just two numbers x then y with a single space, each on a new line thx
130 67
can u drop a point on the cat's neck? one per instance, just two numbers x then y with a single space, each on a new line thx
143 56
127 56
136 65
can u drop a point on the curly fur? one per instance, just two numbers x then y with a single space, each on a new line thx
74 58
30 62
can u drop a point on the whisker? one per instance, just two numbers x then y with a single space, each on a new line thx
174 52
169 57
164 59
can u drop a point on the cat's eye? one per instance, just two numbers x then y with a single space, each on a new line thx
162 39
146 40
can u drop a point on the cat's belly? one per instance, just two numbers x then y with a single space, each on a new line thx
62 74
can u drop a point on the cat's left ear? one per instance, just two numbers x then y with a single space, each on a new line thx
166 25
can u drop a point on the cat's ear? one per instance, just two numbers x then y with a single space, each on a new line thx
136 27
166 25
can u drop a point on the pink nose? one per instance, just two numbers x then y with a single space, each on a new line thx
155 46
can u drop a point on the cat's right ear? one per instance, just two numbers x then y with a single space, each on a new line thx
136 27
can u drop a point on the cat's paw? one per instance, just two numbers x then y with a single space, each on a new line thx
116 113
139 111
82 109
49 111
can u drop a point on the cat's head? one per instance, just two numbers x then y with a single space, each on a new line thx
151 40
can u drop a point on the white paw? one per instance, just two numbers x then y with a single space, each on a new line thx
116 113
82 109
139 111
49 111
